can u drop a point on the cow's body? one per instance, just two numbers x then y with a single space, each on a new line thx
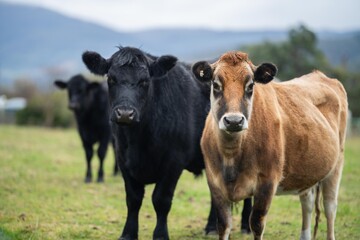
89 102
156 127
290 139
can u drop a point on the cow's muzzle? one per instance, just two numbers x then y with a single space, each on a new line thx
233 123
74 106
124 115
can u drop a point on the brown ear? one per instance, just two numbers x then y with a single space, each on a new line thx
265 73
203 71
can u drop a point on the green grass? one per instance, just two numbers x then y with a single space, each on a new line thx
42 195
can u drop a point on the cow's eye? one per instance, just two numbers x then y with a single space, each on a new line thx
250 88
216 86
143 83
110 80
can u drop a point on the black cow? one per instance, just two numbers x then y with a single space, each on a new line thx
89 101
157 112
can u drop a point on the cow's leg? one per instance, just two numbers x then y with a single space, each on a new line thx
262 201
245 216
162 198
89 154
101 154
330 189
307 205
211 224
134 196
224 218
116 167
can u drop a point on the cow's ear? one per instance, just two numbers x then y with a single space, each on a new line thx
95 63
265 73
92 85
162 65
60 84
203 71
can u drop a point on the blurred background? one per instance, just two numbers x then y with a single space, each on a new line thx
41 41
42 162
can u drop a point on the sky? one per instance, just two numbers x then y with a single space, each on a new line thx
134 15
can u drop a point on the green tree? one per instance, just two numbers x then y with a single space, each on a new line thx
299 55
351 82
294 57
46 109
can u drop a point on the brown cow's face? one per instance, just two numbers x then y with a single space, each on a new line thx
233 79
231 96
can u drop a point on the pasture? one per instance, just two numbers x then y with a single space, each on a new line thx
43 196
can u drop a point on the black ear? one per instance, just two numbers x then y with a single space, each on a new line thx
265 73
203 71
162 65
60 84
95 63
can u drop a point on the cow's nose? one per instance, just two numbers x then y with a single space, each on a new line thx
73 105
124 115
234 123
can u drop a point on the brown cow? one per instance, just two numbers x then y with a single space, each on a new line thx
262 139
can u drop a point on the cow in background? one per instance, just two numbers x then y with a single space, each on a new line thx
89 102
263 138
157 114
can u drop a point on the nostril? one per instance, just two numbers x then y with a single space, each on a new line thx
118 112
242 120
226 122
131 114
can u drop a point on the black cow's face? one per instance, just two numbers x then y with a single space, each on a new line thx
233 77
79 92
130 75
128 92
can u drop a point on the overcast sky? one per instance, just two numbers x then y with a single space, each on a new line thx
132 15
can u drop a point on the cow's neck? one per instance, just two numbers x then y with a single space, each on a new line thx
82 116
230 143
230 151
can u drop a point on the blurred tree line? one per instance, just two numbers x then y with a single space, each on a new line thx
47 108
299 55
43 108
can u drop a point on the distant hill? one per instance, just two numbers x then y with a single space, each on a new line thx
342 48
40 44
33 39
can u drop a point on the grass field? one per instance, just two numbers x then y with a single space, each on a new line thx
42 195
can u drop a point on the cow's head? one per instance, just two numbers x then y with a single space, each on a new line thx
233 79
79 91
130 73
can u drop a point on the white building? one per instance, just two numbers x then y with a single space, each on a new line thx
9 107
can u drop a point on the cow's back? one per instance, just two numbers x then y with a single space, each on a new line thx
312 113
